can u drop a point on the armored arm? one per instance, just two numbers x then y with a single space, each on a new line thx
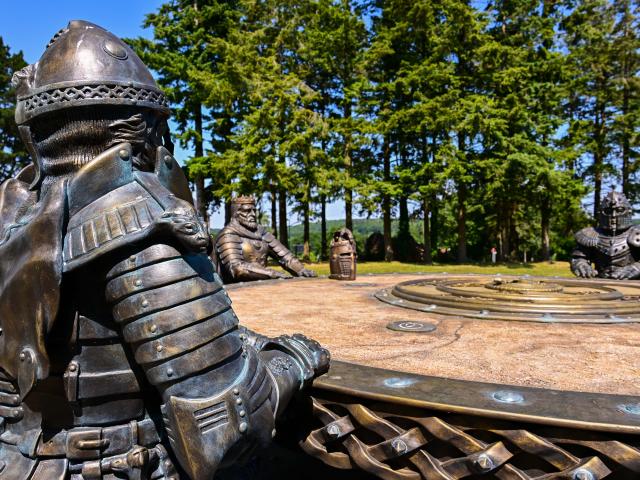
284 256
586 239
220 395
229 254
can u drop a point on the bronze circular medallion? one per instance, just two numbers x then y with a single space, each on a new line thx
508 297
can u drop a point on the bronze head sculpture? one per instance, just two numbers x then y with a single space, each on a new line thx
243 247
611 250
343 255
119 349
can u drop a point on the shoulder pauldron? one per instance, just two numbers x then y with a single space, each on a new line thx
633 237
587 237
111 205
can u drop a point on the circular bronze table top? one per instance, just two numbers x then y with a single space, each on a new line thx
352 322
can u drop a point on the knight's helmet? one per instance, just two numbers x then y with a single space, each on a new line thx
241 200
343 255
86 80
615 212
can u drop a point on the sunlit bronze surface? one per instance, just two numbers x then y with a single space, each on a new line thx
352 322
557 300
473 398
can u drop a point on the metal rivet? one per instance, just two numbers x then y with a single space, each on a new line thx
242 413
159 348
145 303
167 463
132 258
395 382
333 431
505 396
138 283
73 367
238 401
630 408
123 154
17 412
399 447
153 328
22 357
236 391
170 372
242 427
168 160
583 474
484 462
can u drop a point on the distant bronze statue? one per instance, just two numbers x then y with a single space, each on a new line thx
243 246
343 255
611 250
119 350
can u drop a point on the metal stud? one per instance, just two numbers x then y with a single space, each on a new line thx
153 328
168 160
22 357
399 446
243 427
273 433
124 154
236 391
506 396
159 348
170 372
333 431
145 303
132 258
138 283
238 401
484 462
583 474
242 413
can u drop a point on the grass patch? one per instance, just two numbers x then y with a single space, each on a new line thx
542 269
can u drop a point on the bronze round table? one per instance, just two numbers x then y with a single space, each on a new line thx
466 376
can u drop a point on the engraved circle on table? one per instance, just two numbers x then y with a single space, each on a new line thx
519 298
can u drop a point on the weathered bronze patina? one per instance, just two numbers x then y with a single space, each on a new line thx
243 247
343 255
119 349
527 299
612 250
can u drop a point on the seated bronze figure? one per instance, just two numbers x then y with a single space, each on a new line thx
343 255
243 247
119 349
611 250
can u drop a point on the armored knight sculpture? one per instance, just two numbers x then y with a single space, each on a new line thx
242 248
343 255
119 349
612 250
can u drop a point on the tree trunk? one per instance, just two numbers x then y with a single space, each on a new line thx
462 223
305 233
626 145
323 228
403 252
282 207
434 221
274 212
545 213
227 211
426 232
386 203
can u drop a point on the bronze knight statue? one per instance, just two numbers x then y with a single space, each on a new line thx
611 250
243 246
119 349
343 255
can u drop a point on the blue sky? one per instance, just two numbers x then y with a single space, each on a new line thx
29 25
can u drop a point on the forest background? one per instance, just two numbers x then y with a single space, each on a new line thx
464 125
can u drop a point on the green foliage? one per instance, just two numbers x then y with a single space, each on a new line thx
475 127
13 156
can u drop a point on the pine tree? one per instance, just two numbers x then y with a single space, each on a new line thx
13 156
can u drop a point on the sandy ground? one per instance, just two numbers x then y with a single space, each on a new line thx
347 319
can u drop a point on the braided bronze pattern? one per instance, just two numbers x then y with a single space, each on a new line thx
93 92
395 444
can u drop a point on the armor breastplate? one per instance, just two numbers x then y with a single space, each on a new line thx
612 253
255 251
